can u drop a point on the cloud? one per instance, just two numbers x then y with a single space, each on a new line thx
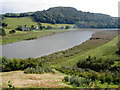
98 6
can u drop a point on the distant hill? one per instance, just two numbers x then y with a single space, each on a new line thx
70 15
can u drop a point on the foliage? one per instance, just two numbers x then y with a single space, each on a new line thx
18 14
67 27
2 32
96 24
38 70
73 16
4 24
10 85
69 15
78 81
12 31
17 64
29 65
94 64
118 51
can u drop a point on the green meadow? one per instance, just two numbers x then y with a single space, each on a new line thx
28 21
14 22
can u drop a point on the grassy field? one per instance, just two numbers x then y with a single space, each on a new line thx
56 25
28 21
20 79
14 22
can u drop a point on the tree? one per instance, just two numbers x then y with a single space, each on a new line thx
4 24
19 28
40 26
67 27
118 51
12 31
53 21
32 27
48 27
2 32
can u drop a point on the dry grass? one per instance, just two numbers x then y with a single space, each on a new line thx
19 79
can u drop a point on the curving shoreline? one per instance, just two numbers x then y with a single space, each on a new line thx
104 37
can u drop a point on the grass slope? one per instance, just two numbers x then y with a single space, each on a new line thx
71 56
106 51
14 22
56 25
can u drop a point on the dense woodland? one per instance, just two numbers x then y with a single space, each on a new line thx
69 15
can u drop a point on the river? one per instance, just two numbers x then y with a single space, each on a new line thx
46 45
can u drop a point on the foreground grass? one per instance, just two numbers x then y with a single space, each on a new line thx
20 80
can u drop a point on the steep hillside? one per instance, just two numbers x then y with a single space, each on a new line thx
70 15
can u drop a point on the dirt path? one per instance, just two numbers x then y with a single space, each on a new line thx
19 79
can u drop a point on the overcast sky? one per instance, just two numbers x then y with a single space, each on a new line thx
109 7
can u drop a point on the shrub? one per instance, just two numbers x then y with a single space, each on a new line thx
66 78
12 31
18 64
78 81
2 32
95 64
72 80
38 70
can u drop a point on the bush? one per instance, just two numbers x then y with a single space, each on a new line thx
38 70
67 27
72 80
66 78
12 31
78 81
18 64
4 24
2 32
95 64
